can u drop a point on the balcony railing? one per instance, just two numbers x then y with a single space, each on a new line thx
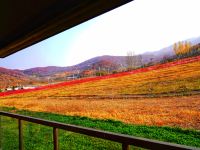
125 140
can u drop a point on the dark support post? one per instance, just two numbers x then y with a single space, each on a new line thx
125 146
20 134
55 138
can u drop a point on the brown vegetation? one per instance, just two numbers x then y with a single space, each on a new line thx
91 99
174 111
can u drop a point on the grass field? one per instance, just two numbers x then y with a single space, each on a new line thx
178 79
178 64
177 112
175 91
162 104
38 137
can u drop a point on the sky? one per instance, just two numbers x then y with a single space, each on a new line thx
139 26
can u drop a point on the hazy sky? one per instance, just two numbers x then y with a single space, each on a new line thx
140 26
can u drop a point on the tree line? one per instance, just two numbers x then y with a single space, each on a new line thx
183 49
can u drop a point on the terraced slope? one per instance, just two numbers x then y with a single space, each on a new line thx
126 97
181 79
174 77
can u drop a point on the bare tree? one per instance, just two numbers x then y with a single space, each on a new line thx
138 60
130 60
133 61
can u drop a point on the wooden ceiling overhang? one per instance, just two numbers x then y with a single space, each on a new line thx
26 22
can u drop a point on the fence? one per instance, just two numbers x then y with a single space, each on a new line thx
125 140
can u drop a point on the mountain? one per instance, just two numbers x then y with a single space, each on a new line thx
10 77
194 41
44 71
104 62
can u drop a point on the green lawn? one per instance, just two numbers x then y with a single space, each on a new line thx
38 137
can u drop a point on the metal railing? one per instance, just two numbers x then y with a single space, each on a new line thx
125 140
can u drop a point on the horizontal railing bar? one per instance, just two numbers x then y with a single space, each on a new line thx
120 138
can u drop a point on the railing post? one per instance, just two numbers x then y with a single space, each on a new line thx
20 134
125 146
55 138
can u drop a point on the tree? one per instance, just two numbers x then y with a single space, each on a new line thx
133 61
139 60
175 48
130 60
182 48
187 47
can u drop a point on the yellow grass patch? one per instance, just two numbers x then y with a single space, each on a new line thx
171 111
176 111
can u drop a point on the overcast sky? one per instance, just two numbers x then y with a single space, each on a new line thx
140 26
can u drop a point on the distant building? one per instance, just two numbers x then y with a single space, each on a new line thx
17 88
28 87
87 73
73 76
8 89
